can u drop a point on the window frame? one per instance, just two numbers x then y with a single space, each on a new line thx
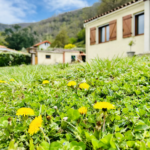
136 23
99 33
48 55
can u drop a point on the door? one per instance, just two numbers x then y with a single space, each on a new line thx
36 59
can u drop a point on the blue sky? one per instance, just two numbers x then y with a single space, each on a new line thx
19 11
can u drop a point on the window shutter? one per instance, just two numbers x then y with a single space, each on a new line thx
92 36
127 26
113 30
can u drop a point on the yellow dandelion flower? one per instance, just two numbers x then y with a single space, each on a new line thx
25 112
104 106
72 83
45 82
82 110
11 80
35 125
2 81
84 86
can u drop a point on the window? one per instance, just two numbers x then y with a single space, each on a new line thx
104 34
48 56
139 24
73 58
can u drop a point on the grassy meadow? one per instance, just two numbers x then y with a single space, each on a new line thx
124 83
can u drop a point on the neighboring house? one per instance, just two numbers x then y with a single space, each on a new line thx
42 45
56 56
5 49
108 35
39 46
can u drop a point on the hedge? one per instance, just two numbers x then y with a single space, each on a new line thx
12 59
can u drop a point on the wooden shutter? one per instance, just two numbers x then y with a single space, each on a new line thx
92 36
127 26
113 30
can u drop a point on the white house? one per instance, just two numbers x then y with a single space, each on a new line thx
42 45
109 34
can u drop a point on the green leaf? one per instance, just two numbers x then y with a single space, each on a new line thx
125 110
118 117
11 145
128 135
73 114
31 146
89 136
45 145
80 145
55 146
108 141
130 143
143 146
119 137
96 144
141 127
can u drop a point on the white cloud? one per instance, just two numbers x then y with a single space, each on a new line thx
54 5
14 11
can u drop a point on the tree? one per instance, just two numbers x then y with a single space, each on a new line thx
81 36
73 40
61 39
18 38
2 39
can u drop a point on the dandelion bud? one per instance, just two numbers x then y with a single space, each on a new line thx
48 117
9 121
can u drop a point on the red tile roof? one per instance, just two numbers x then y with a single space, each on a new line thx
115 9
1 46
42 43
5 49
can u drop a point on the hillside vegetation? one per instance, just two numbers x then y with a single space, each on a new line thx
122 123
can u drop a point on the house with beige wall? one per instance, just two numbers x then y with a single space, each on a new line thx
108 35
58 56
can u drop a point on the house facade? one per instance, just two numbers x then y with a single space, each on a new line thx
108 35
42 45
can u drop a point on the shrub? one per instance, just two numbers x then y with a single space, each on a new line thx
69 46
11 59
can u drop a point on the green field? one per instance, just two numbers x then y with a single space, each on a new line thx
125 83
